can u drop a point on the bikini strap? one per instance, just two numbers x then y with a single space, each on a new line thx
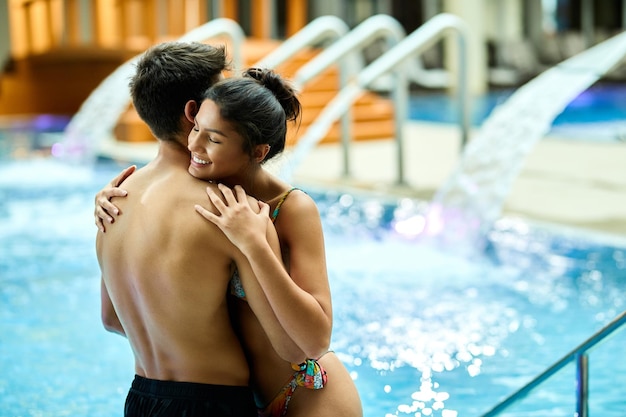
310 374
280 203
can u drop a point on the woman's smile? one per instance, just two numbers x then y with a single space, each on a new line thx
198 160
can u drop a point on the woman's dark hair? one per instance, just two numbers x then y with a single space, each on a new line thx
258 104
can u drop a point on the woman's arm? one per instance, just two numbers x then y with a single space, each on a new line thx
302 305
256 299
105 210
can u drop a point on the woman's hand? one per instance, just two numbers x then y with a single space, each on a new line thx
244 224
105 210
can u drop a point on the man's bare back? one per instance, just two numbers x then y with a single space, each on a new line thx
166 273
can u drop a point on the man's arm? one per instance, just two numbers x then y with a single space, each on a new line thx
108 315
110 320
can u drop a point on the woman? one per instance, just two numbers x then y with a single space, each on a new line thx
241 123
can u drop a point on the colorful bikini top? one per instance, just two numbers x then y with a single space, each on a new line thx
236 288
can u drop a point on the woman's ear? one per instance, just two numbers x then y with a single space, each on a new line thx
260 152
191 109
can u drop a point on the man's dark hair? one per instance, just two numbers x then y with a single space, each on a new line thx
167 76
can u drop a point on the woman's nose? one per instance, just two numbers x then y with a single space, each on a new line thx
191 141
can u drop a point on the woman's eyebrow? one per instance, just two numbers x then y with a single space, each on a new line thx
206 129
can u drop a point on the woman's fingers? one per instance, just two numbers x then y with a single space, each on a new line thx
264 207
115 182
99 220
109 193
241 194
216 199
229 203
104 209
206 214
228 194
103 199
101 215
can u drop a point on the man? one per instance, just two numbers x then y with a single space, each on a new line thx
165 270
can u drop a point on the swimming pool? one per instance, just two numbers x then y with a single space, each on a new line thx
424 330
598 114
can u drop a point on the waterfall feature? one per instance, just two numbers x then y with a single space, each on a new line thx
94 122
97 116
472 198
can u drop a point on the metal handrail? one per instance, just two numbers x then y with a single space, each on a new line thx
579 355
320 30
370 30
391 61
218 27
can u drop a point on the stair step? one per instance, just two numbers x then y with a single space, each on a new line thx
318 99
361 111
326 81
365 130
253 49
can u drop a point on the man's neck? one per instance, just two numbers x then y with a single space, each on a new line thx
173 152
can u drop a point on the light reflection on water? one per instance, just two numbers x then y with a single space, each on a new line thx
422 330
472 328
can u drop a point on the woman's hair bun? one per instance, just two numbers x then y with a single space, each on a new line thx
284 92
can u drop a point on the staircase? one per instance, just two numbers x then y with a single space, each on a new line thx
372 115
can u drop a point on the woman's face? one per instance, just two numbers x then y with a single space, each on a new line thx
216 147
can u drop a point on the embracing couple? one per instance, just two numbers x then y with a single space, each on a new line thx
213 268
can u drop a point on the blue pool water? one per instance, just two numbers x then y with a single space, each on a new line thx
598 114
424 330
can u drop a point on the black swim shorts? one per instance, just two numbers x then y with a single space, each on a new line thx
155 398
